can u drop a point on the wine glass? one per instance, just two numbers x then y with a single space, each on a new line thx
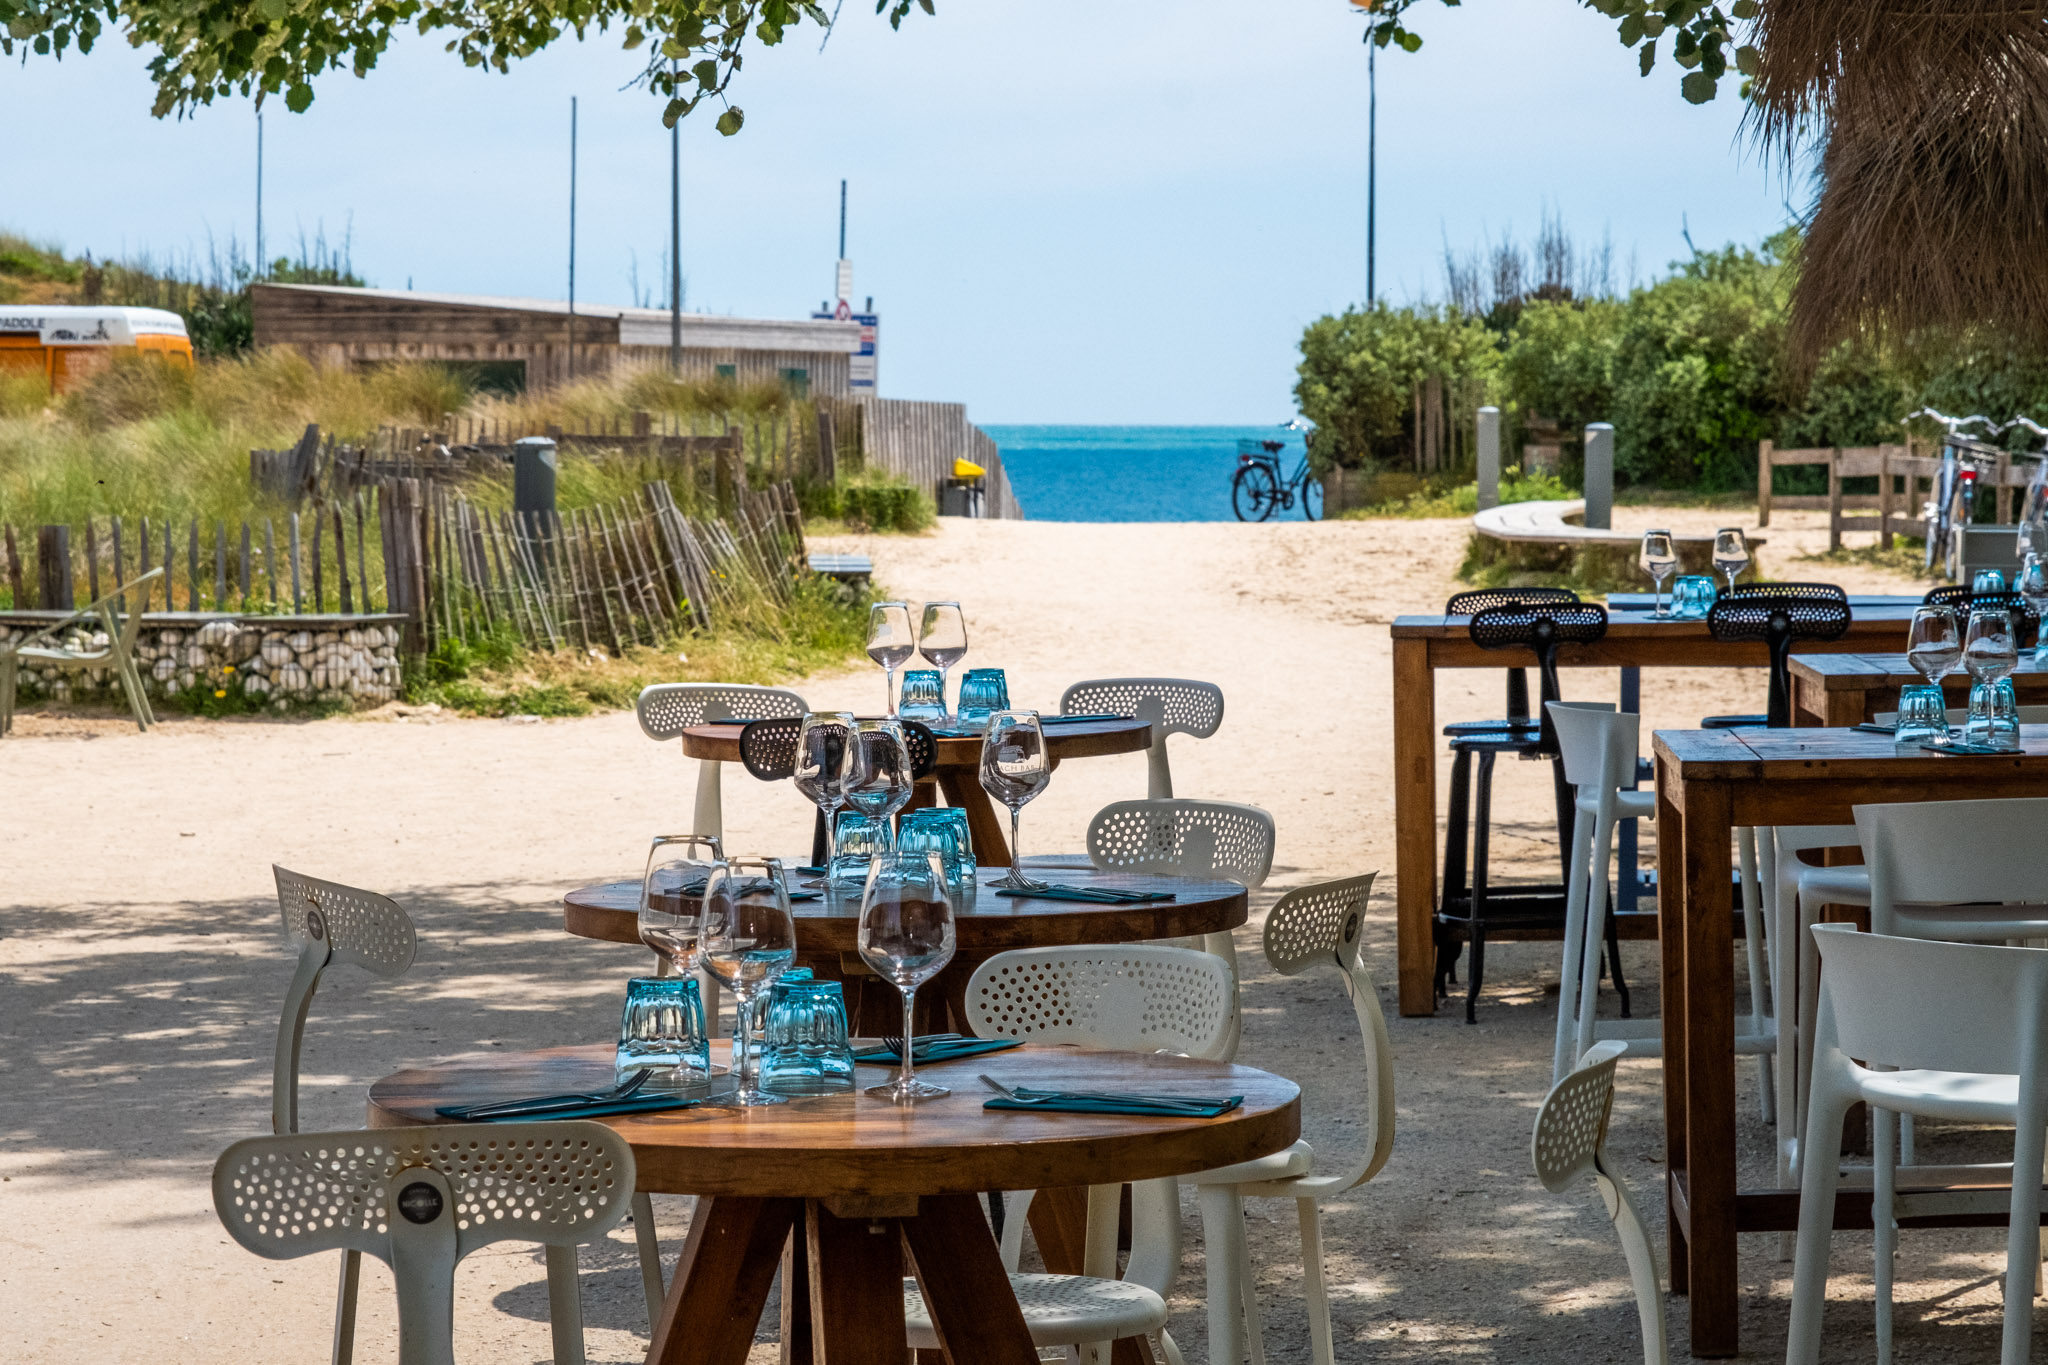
746 938
891 642
1731 552
1990 652
1015 768
881 781
677 865
906 935
2031 583
1659 560
942 638
1934 642
824 764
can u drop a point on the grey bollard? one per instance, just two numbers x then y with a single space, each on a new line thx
1599 480
1489 458
533 482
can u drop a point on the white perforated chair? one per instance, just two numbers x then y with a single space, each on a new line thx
1321 925
1951 1031
667 709
1173 706
328 922
1137 997
1569 1144
421 1199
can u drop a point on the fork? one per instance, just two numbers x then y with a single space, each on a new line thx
894 1042
1052 1096
617 1092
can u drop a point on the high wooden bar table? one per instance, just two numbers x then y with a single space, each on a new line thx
1635 640
1843 689
1709 782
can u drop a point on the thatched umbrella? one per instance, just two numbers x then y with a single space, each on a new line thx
1932 120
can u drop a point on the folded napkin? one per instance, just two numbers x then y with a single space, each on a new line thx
542 1109
1957 746
944 1050
1094 895
694 889
1053 1101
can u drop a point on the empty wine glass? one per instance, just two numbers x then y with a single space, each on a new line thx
824 764
906 936
2031 582
1990 652
746 938
881 781
891 642
1731 552
1015 768
677 865
1934 642
1659 561
942 638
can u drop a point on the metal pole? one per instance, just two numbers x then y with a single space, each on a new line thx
1372 145
572 236
259 191
842 220
675 248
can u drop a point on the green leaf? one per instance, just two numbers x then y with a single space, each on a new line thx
1743 9
729 122
1411 42
674 110
1631 30
299 98
1697 88
1713 63
1746 60
706 73
1649 58
1653 25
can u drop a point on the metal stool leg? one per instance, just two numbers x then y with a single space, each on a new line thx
1482 824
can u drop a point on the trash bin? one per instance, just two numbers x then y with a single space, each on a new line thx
960 498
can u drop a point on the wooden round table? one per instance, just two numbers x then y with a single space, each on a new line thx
985 924
873 1191
959 766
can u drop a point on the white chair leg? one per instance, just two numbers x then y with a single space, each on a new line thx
1562 1053
1906 1145
1753 951
1169 1348
1322 1345
2023 1237
345 1307
1222 1234
1642 1265
1593 937
1016 1218
1817 1182
1783 905
1223 945
709 817
1884 1240
650 1257
565 1305
1248 1281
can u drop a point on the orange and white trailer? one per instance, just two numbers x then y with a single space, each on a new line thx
67 343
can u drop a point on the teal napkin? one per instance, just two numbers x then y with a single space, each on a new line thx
949 1050
632 1104
1956 746
1129 1104
1089 894
1078 720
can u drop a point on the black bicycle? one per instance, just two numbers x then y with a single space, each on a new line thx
1259 488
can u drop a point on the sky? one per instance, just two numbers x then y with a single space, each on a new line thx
1065 211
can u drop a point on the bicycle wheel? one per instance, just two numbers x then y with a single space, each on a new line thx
1253 493
1311 498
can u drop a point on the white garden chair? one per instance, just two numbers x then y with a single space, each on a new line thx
421 1199
1173 706
1950 1030
117 656
1570 1143
1313 926
1598 746
667 709
1133 997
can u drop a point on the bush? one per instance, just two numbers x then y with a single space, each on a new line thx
1359 371
871 503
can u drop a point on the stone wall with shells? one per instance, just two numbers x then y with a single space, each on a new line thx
276 662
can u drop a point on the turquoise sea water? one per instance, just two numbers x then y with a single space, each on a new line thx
1130 473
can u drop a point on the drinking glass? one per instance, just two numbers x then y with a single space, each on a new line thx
1990 652
923 695
1987 580
1923 715
1692 596
891 642
856 839
747 939
941 830
662 1030
1731 552
824 764
1015 768
942 639
982 692
677 865
1659 560
805 1048
906 935
2031 582
882 781
1934 642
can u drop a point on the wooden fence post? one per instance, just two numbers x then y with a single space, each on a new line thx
1884 497
298 597
1834 498
92 560
1763 483
53 568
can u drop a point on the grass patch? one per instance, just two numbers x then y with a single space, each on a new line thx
1447 499
1906 556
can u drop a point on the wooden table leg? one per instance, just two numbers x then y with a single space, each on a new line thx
796 1299
962 787
722 1280
1415 824
1844 706
1707 1006
1671 955
965 1287
857 1289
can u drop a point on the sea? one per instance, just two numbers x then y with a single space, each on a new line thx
1075 473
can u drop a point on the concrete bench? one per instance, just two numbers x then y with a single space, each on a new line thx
1551 523
845 568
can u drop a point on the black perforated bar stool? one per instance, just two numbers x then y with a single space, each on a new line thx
1478 600
768 751
1780 615
1469 905
2026 626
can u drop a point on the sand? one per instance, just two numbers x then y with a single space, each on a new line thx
142 964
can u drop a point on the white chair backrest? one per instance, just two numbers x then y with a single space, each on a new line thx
328 922
1598 744
421 1199
667 709
1953 852
1172 706
1323 924
1571 1127
1183 839
1136 997
1915 1003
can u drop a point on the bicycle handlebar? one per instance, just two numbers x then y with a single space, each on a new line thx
1955 424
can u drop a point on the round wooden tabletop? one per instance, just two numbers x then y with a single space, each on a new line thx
1085 739
831 1146
983 921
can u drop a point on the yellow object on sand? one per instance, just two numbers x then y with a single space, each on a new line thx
967 469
